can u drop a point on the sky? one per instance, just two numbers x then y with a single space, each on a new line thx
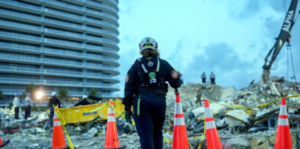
230 38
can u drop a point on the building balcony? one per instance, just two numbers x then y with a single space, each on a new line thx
67 25
18 37
101 32
20 26
102 15
53 51
64 33
19 58
19 69
62 5
17 16
65 15
19 80
19 47
63 63
64 43
100 23
63 83
27 7
62 73
98 39
100 48
102 6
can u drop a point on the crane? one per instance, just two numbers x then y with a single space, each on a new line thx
284 36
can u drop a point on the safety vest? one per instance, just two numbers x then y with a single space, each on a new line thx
149 74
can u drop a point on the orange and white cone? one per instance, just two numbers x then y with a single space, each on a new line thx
212 137
58 137
5 142
111 140
180 140
283 135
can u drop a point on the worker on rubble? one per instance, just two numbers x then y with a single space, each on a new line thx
16 103
295 85
146 90
198 96
252 82
28 103
82 102
203 77
212 78
53 101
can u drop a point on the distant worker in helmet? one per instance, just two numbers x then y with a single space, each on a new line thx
212 78
203 77
83 101
145 90
198 96
252 82
16 103
53 101
28 103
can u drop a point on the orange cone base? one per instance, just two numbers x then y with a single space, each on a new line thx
180 138
283 138
111 140
58 141
5 142
212 139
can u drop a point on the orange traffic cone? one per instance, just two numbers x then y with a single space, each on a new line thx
180 140
111 140
283 135
212 137
58 138
3 144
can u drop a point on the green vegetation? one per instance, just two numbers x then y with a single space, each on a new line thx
63 94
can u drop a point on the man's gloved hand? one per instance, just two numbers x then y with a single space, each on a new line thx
128 116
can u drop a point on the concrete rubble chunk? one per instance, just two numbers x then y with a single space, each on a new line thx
237 143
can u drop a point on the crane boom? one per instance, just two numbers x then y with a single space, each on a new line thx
284 35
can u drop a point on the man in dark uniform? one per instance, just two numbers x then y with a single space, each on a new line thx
83 102
53 101
146 90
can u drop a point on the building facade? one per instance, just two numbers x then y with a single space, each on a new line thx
59 43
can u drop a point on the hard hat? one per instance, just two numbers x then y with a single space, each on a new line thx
53 94
148 43
17 95
28 93
84 97
197 89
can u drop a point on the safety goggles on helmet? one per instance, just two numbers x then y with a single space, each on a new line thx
148 43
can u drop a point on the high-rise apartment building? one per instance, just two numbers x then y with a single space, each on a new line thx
59 43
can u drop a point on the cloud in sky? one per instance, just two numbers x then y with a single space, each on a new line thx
230 38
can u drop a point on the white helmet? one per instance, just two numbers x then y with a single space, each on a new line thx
84 97
53 94
148 43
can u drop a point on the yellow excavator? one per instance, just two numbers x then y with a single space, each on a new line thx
280 40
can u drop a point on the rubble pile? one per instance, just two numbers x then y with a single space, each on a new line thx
252 126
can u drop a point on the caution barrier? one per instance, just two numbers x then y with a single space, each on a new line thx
63 123
250 108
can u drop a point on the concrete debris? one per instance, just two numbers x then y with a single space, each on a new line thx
238 128
237 143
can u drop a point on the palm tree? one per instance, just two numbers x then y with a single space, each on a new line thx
63 94
2 96
94 92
